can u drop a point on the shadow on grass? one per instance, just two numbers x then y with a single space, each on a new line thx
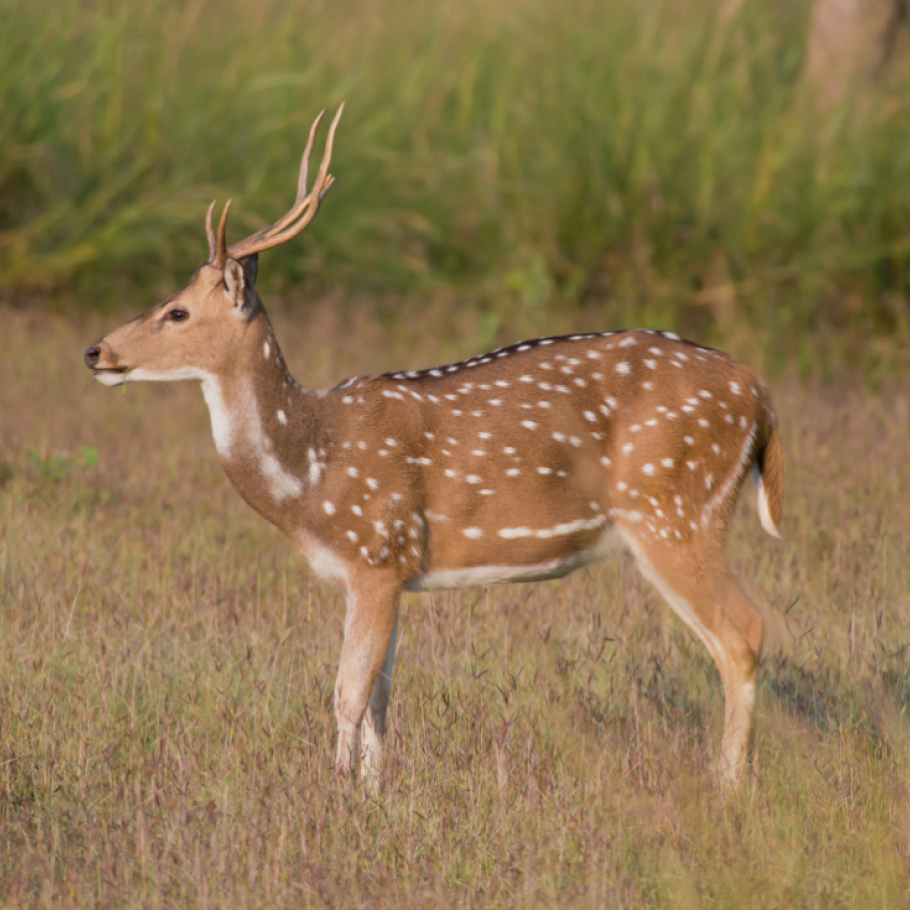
824 692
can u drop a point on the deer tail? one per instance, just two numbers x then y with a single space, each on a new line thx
768 472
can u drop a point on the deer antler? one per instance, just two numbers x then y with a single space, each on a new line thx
290 225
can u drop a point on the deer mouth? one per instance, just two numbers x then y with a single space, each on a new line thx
111 376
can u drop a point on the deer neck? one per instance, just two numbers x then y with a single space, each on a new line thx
267 428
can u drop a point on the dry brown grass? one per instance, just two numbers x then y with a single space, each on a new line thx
166 667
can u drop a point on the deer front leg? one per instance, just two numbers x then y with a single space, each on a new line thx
368 651
373 729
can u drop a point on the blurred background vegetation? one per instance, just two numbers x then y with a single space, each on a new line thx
669 163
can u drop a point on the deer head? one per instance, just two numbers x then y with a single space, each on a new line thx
201 330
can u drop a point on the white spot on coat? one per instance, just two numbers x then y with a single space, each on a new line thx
316 467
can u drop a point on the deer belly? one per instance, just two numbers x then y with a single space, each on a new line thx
441 578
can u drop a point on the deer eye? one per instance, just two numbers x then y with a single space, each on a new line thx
178 315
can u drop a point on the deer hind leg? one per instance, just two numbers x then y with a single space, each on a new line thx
701 590
741 633
368 651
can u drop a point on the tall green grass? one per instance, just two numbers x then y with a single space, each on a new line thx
661 156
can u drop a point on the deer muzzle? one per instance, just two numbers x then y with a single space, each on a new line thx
104 364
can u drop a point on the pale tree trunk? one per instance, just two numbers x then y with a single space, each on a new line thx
852 41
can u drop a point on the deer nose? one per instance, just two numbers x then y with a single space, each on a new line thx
91 356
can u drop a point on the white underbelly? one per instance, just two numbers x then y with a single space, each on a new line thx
468 576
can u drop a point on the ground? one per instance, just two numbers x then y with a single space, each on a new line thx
167 663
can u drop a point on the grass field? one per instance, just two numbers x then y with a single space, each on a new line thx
504 169
659 156
167 663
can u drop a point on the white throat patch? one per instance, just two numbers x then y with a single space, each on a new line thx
243 426
222 421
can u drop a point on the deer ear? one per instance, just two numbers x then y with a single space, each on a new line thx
234 282
251 269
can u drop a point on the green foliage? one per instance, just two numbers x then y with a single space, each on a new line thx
527 151
60 465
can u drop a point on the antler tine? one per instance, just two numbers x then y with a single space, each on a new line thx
210 231
327 155
221 254
304 208
305 160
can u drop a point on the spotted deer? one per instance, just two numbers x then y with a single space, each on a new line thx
518 465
